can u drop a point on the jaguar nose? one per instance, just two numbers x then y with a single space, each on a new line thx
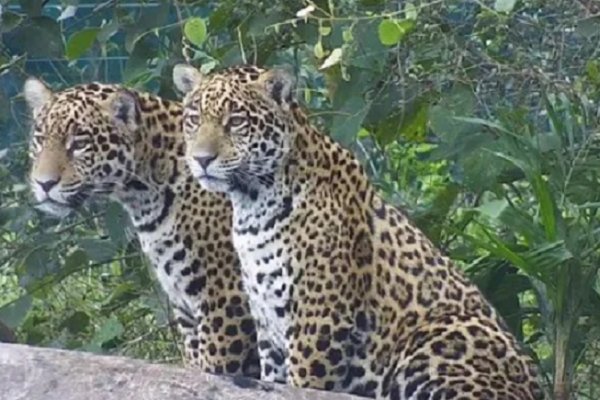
48 184
205 161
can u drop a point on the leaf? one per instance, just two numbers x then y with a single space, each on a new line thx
207 67
74 262
98 250
588 27
115 221
432 219
480 170
410 123
33 8
120 297
108 30
324 30
444 118
9 21
38 262
410 11
504 5
549 256
548 215
136 68
368 51
157 306
502 285
111 329
347 35
493 208
14 313
26 38
334 58
305 12
484 122
346 126
80 42
391 31
67 13
499 249
597 283
195 30
318 50
76 322
389 34
521 164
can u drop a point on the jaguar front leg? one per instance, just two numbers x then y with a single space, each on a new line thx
272 359
188 327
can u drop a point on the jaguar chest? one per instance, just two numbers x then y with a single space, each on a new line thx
169 258
268 284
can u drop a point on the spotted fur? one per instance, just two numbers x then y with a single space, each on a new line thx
98 139
349 295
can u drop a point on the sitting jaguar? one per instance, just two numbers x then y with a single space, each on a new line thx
347 293
96 139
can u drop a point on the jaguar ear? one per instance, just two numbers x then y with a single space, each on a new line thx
124 107
279 84
36 93
186 77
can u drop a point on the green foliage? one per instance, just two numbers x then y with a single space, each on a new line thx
391 31
80 42
195 31
479 117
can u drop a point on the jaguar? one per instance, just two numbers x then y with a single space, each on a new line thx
103 140
348 294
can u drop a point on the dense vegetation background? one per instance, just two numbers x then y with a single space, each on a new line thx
480 117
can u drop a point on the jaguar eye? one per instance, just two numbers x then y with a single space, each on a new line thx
38 139
236 121
79 144
193 119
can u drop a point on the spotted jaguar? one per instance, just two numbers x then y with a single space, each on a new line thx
96 140
348 294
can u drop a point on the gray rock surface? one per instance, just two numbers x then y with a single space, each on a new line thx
34 373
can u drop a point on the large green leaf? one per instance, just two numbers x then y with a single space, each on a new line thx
98 250
588 27
32 7
195 30
346 126
493 208
26 38
503 285
116 221
504 5
9 21
120 297
391 31
458 102
547 211
111 329
37 268
80 42
480 170
499 249
549 256
350 107
76 322
369 53
75 261
12 314
433 219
